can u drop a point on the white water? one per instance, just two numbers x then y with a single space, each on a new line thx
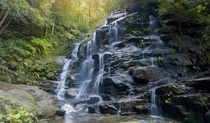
75 51
62 82
92 73
154 30
120 109
87 69
63 76
155 111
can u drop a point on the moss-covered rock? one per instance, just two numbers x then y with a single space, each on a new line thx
37 101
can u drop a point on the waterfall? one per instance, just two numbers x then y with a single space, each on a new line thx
87 70
62 82
116 31
92 66
75 51
100 73
65 71
154 30
63 76
120 109
152 23
92 71
155 106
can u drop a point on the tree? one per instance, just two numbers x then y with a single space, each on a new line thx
18 10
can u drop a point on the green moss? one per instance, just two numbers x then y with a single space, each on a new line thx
160 59
140 107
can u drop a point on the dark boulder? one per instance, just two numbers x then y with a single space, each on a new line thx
173 88
176 112
96 57
60 112
116 85
91 109
143 75
106 97
181 59
104 37
200 84
207 117
93 99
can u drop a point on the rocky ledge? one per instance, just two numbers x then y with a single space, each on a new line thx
39 102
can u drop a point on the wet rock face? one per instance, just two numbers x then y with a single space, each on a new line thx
144 75
147 61
139 56
200 84
182 102
93 99
116 85
115 15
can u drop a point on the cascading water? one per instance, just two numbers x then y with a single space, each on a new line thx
155 106
74 55
65 72
62 82
92 67
87 70
116 32
154 30
155 110
91 76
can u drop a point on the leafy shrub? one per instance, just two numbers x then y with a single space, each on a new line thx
21 115
14 114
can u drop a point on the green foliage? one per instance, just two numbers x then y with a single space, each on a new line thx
140 107
160 59
126 72
169 96
196 68
42 46
13 113
153 121
33 57
168 101
203 100
20 115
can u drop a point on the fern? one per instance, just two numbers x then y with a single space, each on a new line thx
42 46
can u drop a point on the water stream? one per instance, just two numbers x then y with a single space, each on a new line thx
61 89
155 106
65 71
62 82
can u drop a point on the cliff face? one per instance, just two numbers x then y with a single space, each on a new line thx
136 64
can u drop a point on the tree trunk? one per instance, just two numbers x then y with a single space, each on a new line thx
1 14
53 27
5 25
3 19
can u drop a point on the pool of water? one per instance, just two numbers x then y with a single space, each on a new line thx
113 119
